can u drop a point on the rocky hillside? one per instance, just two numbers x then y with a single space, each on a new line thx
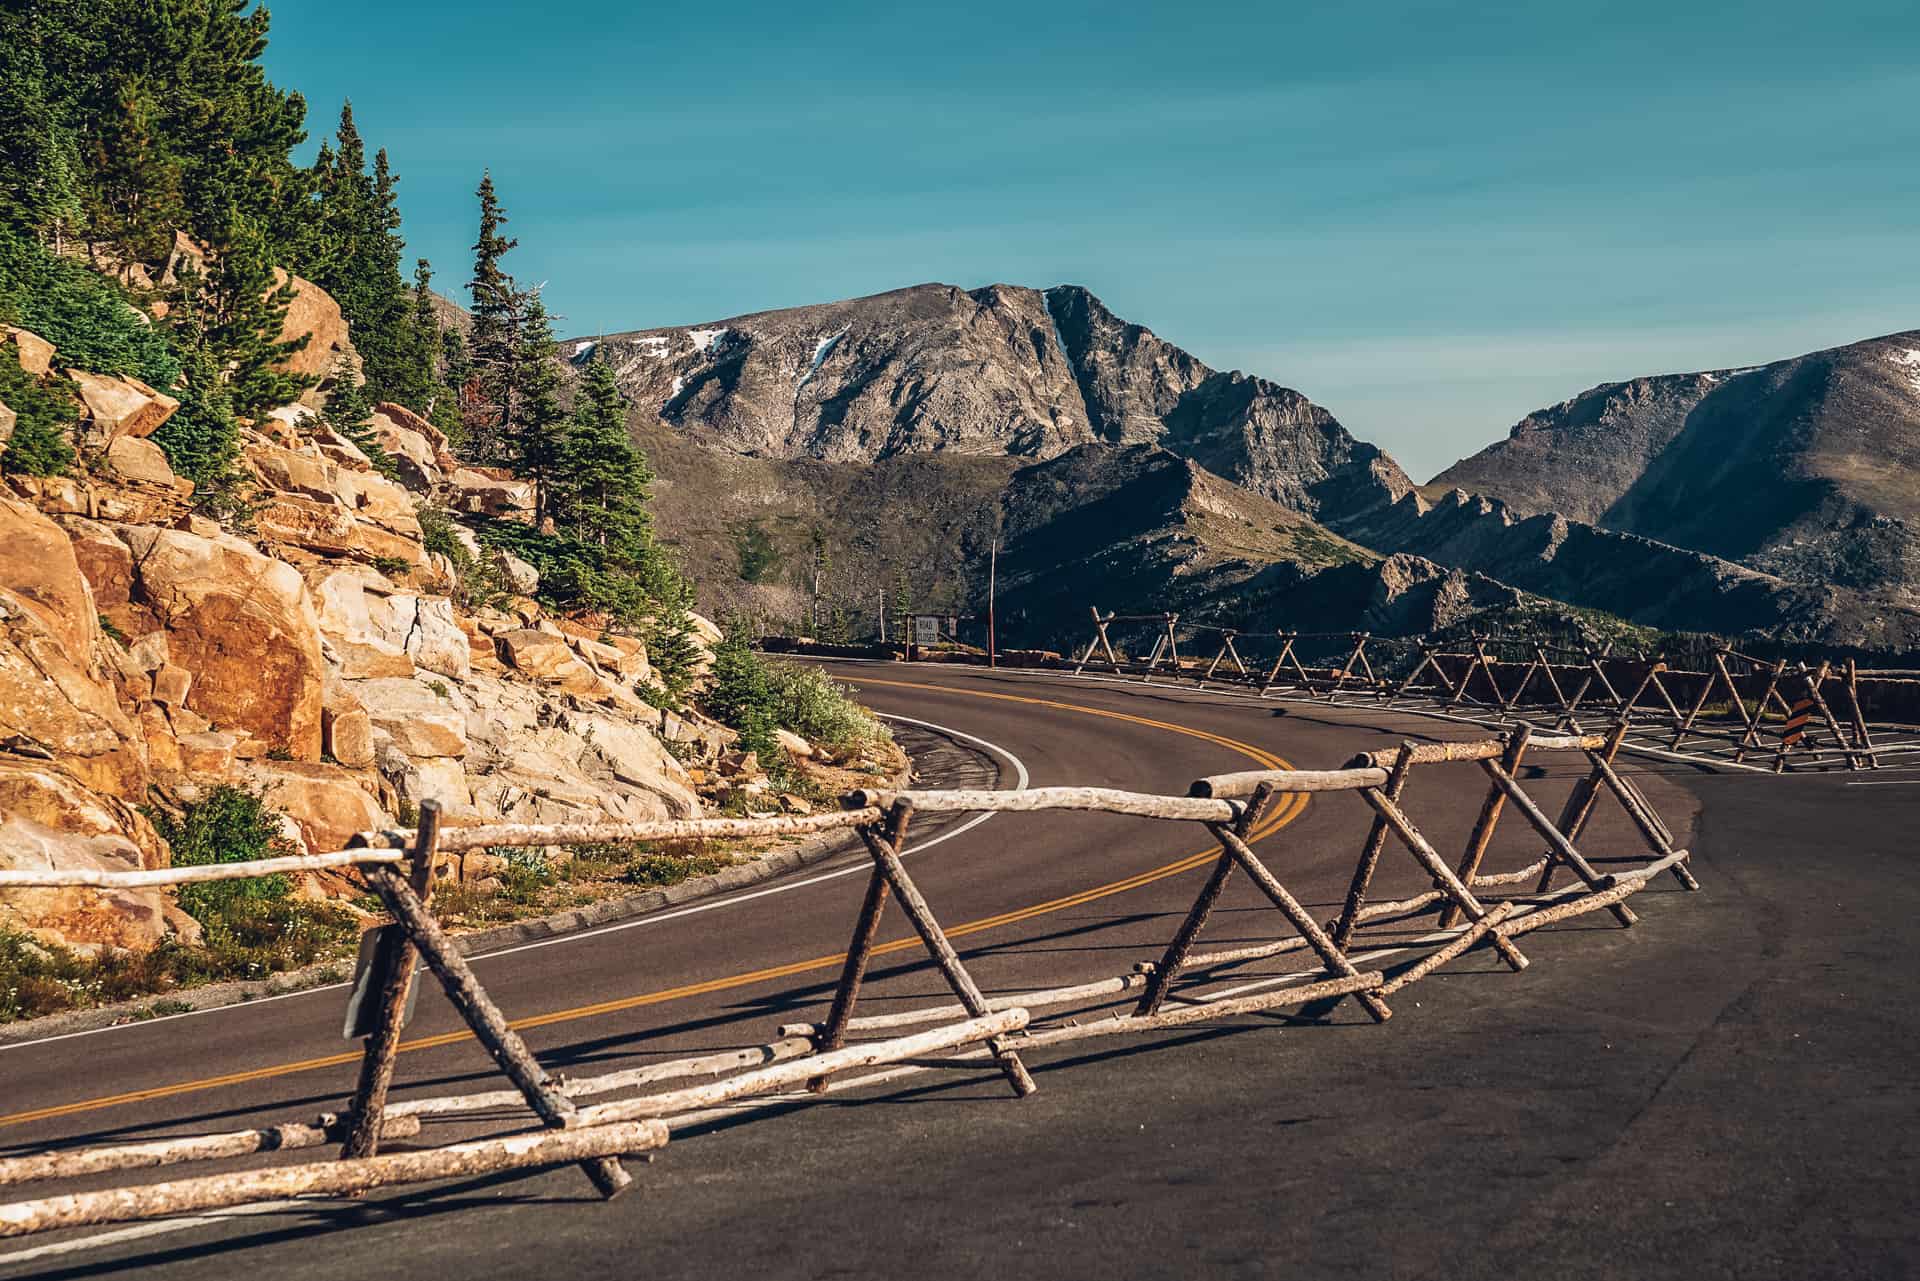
1001 371
1804 469
880 427
316 651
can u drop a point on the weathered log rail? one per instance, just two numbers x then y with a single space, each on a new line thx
1178 988
1725 707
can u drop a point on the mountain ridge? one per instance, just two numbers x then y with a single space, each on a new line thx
1028 375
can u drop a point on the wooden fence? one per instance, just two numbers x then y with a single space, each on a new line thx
1723 707
1179 987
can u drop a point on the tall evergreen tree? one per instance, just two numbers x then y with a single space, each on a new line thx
494 346
537 437
349 413
602 490
241 312
354 254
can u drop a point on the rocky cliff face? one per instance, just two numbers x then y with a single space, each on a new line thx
1804 469
318 657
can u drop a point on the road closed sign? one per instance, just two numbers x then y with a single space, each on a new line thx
926 629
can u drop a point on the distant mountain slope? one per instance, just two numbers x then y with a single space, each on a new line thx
1807 468
1001 370
1686 471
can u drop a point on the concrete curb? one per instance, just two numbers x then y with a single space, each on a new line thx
215 996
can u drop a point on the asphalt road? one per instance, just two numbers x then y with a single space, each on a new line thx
1725 1090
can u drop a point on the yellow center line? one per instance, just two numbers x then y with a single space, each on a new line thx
1282 814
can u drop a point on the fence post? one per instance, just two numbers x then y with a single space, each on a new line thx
833 1033
1181 947
1489 817
396 963
1370 852
887 860
489 1026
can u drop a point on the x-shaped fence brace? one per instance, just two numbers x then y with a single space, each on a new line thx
816 1057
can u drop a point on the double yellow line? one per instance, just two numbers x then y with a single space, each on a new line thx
1286 812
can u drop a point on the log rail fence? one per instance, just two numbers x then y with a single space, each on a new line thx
1726 708
574 1121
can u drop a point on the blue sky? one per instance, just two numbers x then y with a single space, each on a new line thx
1429 218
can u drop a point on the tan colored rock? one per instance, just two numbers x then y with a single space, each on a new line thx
420 721
322 526
476 491
412 454
48 820
171 684
135 459
795 746
8 419
314 314
327 801
34 353
538 654
208 756
244 625
122 406
349 737
289 471
373 498
162 741
442 779
52 691
632 664
478 865
633 756
107 564
407 420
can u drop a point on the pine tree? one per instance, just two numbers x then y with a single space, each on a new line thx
602 493
349 413
456 373
39 154
355 256
136 199
201 439
493 345
538 436
241 312
423 343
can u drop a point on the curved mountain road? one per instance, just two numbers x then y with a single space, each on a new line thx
1725 1089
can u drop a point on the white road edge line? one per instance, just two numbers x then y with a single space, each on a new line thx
1021 780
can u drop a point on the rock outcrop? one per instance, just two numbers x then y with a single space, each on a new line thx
315 654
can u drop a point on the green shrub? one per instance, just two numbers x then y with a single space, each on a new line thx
743 698
45 411
808 702
87 316
227 825
671 869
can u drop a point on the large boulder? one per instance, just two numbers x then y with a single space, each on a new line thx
34 353
54 696
327 802
314 315
49 821
134 458
244 625
629 754
412 452
421 721
122 406
489 491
